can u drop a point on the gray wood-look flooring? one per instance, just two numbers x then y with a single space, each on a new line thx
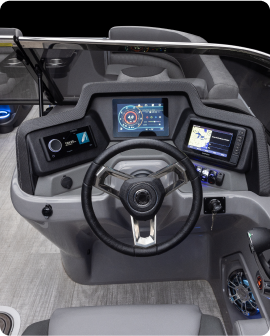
33 281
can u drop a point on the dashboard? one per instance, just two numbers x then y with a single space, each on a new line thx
204 134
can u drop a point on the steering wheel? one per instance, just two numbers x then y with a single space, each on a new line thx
142 197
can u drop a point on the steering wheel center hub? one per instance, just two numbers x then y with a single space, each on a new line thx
142 197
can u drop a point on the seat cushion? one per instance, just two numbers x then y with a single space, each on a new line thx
128 320
251 327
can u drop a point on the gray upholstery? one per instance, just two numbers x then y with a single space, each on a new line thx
130 320
143 74
10 31
210 325
220 83
174 70
8 84
39 328
251 327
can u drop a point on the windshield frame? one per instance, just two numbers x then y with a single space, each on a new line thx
27 44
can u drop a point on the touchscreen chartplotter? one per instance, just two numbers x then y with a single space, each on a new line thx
134 117
215 141
210 140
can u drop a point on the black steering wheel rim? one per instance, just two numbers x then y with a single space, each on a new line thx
89 182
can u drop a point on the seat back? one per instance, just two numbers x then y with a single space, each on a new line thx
220 83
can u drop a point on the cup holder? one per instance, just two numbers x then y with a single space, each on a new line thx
4 116
13 61
55 62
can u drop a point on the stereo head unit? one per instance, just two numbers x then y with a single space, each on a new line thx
64 144
215 140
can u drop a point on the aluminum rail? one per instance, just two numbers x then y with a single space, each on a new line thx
192 48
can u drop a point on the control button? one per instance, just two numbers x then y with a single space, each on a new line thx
199 170
236 151
205 174
241 132
55 145
240 138
266 287
220 178
234 159
47 211
237 147
259 282
66 182
212 177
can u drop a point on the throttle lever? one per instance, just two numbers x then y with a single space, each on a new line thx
260 242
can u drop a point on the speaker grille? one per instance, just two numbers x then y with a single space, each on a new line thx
240 293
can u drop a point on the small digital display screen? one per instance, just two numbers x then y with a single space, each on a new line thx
209 140
67 143
133 117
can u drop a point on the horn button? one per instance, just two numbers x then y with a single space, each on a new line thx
142 197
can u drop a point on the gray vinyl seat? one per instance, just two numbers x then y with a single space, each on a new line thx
206 71
129 320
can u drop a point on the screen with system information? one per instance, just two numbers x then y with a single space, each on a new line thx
133 117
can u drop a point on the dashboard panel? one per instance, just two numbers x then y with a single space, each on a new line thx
119 118
99 115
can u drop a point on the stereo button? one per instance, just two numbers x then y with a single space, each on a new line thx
55 145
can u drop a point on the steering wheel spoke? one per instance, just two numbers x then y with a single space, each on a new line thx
144 241
175 168
104 172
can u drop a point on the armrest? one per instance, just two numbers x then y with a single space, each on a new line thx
251 327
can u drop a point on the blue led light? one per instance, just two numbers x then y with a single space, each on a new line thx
4 114
5 108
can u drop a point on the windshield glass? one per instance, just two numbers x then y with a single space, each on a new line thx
228 77
16 83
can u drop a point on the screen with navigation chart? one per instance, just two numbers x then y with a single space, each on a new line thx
210 140
145 116
213 141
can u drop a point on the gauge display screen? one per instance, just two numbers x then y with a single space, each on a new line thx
139 117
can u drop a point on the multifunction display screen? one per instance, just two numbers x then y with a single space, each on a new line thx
134 117
209 140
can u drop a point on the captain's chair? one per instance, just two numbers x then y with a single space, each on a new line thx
206 72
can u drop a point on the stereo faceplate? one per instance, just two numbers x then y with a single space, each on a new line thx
68 143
